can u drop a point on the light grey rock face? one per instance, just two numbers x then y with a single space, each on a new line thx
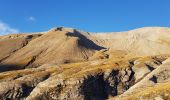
20 87
54 83
141 69
157 76
55 88
98 86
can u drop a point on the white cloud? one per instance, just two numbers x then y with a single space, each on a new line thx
6 29
31 18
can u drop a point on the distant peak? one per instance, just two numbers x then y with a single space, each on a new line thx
150 28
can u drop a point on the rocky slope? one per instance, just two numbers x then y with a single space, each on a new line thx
65 63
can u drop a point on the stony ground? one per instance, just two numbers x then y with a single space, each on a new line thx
67 64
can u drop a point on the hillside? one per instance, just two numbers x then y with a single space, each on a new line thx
65 63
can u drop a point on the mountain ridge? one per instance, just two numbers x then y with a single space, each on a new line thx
65 63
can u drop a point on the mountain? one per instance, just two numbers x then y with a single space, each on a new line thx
56 46
65 63
143 41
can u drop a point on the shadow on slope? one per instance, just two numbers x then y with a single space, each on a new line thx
9 67
97 88
93 88
84 41
100 87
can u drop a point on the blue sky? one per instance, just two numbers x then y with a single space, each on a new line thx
87 15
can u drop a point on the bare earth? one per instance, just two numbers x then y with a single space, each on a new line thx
68 64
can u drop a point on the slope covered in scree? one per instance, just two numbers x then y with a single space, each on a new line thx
56 46
143 41
67 64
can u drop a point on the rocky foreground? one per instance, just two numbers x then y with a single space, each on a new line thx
67 64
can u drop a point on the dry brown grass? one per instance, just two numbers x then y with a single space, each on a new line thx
160 90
